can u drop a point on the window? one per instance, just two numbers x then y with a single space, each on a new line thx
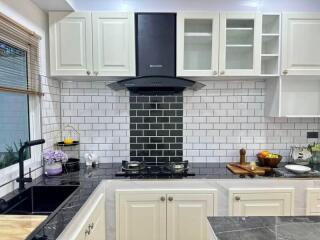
20 89
14 107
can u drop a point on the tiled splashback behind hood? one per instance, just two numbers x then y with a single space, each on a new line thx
156 127
218 120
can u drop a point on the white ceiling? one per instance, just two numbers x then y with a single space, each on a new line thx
53 5
183 5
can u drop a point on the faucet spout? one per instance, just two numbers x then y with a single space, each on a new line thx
21 179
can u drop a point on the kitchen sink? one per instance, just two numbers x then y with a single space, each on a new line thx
37 200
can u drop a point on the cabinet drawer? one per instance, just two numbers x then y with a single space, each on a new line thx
313 201
261 202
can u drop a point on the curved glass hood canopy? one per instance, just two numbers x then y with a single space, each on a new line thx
155 84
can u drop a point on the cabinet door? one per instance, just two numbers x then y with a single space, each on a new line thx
313 201
141 216
261 202
240 44
113 44
97 221
187 216
300 44
197 44
70 43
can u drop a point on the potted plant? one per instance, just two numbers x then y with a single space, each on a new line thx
53 162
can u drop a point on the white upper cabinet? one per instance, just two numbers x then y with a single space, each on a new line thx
197 44
93 44
240 44
113 44
300 44
70 43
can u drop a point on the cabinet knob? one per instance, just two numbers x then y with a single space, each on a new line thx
96 73
285 71
88 72
87 232
170 199
91 226
162 199
237 198
222 72
215 72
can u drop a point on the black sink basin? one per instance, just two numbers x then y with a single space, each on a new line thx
38 200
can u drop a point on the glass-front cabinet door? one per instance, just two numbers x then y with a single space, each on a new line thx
197 44
239 44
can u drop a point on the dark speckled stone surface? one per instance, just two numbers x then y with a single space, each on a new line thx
89 178
266 228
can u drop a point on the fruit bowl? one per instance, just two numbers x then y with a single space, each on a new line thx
269 162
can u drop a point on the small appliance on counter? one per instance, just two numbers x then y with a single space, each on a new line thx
136 169
300 155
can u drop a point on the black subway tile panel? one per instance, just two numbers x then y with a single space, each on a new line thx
156 127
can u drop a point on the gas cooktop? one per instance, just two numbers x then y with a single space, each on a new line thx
135 169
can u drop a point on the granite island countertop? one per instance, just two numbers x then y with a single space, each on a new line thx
266 228
89 178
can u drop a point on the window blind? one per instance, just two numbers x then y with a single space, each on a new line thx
19 58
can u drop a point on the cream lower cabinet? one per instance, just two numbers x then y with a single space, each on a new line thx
261 202
164 215
91 225
313 201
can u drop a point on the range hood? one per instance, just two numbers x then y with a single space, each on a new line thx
156 84
156 56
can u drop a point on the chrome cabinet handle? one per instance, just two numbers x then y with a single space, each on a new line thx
88 72
222 72
170 199
96 73
87 232
215 72
237 198
155 65
162 199
285 71
91 226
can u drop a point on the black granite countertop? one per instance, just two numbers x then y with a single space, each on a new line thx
266 228
89 178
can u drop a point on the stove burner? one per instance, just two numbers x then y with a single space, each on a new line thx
135 169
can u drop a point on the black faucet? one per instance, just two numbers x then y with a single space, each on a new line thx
21 179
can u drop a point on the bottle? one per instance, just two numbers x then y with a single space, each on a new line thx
242 156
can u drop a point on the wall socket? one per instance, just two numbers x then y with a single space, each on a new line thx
312 135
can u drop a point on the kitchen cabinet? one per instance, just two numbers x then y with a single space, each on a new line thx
92 44
164 214
313 201
300 44
292 96
70 43
197 44
92 223
261 202
240 44
113 44
270 44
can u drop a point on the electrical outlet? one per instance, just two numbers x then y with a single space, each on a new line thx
312 135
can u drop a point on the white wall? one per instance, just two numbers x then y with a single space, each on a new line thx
29 15
210 5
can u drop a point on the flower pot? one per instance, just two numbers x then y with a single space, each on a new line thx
53 169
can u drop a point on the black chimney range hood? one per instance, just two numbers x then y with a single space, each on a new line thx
156 57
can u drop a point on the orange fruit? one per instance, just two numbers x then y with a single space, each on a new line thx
264 154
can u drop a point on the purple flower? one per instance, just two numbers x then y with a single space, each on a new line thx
52 156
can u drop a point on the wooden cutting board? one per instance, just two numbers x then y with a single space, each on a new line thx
239 171
18 227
